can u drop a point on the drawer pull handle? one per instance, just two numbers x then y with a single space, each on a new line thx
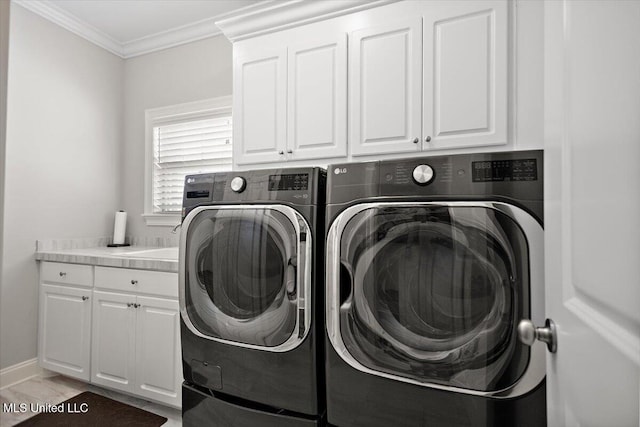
134 282
84 298
129 304
63 274
136 305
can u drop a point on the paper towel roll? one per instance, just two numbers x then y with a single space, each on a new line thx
119 228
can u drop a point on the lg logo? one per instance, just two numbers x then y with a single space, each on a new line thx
338 171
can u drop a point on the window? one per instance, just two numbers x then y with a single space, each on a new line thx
181 140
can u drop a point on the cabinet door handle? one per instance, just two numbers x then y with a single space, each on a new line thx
416 140
290 151
281 152
427 139
136 305
63 274
134 282
129 304
84 298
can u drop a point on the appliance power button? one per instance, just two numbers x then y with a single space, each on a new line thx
423 174
238 184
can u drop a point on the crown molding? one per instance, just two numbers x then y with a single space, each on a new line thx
276 15
155 42
71 23
171 38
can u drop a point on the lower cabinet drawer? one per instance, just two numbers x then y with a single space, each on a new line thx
139 281
68 274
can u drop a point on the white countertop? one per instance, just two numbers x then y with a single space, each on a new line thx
139 257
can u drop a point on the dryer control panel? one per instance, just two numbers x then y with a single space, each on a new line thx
299 186
508 175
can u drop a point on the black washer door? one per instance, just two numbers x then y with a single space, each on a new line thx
433 293
241 275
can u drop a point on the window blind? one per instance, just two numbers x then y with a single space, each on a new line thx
185 148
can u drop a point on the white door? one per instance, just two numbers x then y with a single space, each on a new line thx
317 99
113 345
592 211
385 88
65 330
259 106
465 74
158 363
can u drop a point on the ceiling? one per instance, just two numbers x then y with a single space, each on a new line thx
127 20
134 27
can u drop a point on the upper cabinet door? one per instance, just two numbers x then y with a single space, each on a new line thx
465 74
385 83
317 99
259 106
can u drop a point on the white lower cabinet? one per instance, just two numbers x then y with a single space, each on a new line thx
124 334
113 348
65 330
136 345
158 360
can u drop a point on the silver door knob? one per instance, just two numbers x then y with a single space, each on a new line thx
529 333
416 140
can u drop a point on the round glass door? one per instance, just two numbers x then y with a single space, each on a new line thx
433 293
242 274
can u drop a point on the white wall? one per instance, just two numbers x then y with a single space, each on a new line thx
64 136
181 74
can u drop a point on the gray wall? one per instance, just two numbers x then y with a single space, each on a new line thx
64 139
75 146
4 60
186 73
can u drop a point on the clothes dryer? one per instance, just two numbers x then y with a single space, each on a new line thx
251 255
431 264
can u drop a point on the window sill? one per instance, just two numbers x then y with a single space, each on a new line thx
161 220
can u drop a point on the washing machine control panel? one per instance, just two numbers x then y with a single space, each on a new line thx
423 174
238 184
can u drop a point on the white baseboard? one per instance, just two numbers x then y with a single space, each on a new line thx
19 372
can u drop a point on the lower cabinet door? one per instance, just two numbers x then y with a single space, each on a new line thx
113 343
65 330
158 363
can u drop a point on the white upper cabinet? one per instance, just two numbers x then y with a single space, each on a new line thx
386 88
291 103
438 82
259 106
317 99
465 74
417 76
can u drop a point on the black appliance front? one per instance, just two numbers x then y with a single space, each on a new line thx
431 263
248 296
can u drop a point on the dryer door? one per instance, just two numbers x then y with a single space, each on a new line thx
432 293
245 274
